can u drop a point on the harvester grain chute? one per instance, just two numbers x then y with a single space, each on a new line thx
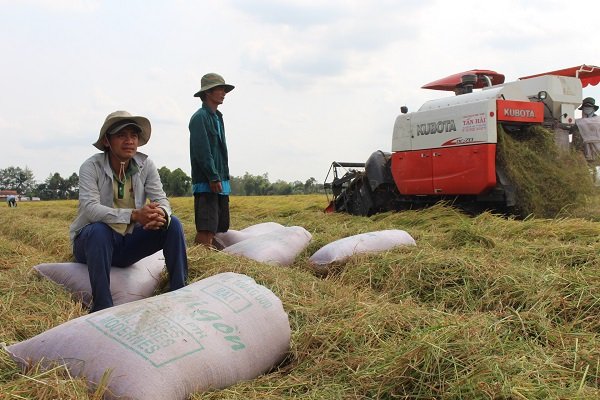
448 148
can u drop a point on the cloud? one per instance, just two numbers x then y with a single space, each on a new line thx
301 48
299 15
58 6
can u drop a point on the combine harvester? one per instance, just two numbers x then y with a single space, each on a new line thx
447 150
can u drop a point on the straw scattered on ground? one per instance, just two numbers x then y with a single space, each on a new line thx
483 307
548 181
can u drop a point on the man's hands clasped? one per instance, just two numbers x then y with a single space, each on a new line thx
151 216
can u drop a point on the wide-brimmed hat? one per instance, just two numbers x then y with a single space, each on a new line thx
118 120
212 80
590 102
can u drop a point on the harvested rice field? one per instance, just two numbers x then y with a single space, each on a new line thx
483 307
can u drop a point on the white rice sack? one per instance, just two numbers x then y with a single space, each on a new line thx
226 239
208 335
264 227
278 247
370 242
135 282
232 236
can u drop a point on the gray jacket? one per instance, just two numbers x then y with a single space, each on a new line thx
96 192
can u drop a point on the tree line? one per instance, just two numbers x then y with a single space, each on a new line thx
176 183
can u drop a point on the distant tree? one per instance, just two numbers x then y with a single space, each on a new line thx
281 188
42 192
72 185
20 180
259 185
319 188
297 187
249 184
56 188
165 178
175 183
256 185
237 186
310 185
179 183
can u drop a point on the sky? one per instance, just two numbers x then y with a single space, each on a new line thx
315 81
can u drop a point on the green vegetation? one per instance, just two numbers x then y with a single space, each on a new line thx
483 307
175 184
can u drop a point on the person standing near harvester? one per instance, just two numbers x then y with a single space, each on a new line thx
586 132
209 159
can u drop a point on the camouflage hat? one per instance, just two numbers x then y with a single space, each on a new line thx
212 80
590 102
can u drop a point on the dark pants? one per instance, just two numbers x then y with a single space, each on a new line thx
100 247
211 212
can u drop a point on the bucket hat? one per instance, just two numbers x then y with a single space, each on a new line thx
589 101
212 80
118 120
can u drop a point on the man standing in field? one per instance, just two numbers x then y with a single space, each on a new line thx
208 156
586 132
115 224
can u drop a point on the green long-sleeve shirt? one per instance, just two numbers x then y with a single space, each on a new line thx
208 147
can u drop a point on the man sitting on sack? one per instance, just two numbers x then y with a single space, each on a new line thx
115 224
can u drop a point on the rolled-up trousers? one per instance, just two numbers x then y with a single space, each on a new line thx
101 248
